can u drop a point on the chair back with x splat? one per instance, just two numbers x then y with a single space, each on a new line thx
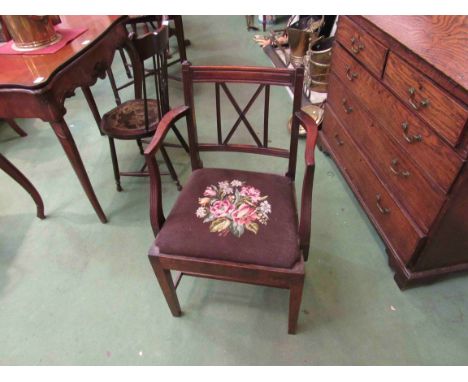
221 76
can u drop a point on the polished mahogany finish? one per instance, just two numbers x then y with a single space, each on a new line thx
421 199
37 86
362 46
435 106
438 40
422 142
259 268
400 136
22 70
401 233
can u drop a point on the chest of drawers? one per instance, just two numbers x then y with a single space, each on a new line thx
396 126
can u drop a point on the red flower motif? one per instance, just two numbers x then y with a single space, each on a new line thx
221 208
244 214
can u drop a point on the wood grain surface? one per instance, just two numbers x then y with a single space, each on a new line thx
440 40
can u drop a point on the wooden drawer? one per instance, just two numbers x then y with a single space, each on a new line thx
395 168
445 114
432 154
396 230
361 45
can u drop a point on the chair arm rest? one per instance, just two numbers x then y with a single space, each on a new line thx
156 211
308 182
311 139
164 125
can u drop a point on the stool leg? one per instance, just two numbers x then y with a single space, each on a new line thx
180 138
140 146
125 63
110 73
15 127
170 167
179 27
115 164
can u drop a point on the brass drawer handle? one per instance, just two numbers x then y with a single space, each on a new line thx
382 209
402 173
338 140
412 101
356 45
410 138
347 109
350 75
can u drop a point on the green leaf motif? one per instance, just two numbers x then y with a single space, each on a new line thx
220 225
252 227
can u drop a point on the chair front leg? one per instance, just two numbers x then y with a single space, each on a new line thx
167 286
295 298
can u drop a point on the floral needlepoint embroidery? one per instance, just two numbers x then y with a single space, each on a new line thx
233 207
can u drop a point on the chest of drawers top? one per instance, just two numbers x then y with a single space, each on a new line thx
441 41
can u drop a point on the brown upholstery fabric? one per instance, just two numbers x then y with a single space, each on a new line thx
128 119
275 244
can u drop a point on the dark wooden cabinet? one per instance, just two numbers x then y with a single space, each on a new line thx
396 126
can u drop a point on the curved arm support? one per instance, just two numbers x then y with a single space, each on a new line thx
307 185
156 210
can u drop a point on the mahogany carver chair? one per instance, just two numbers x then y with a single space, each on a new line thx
230 224
138 118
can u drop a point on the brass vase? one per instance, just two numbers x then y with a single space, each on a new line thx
317 65
31 32
299 38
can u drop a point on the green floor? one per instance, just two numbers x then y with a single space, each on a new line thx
76 292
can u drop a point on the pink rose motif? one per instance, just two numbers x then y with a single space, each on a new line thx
244 214
250 192
209 192
221 208
233 207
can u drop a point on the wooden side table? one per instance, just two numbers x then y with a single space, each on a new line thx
36 86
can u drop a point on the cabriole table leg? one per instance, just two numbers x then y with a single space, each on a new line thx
19 177
68 143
